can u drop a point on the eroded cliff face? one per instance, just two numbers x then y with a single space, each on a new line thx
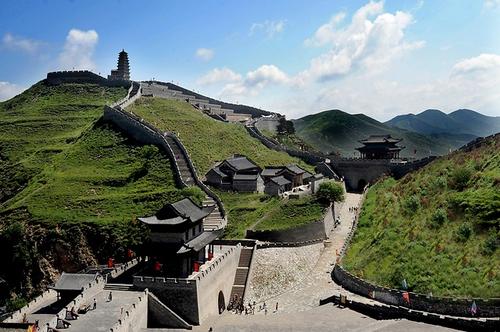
35 254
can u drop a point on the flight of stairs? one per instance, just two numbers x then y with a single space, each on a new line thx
186 174
214 220
241 276
119 287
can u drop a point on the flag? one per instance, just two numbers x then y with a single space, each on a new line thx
473 308
406 297
404 284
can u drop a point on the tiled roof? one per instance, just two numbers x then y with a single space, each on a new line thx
271 171
74 281
240 163
177 213
280 181
245 177
295 169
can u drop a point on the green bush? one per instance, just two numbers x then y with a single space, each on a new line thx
491 243
460 177
330 192
464 232
411 204
439 217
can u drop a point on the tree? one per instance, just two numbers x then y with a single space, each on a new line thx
330 192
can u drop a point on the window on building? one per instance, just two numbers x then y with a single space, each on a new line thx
199 228
193 230
187 235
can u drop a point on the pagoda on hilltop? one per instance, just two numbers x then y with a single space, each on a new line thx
380 147
123 71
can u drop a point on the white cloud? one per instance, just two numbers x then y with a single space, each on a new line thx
79 50
16 43
219 75
9 90
371 40
205 54
491 4
270 28
481 62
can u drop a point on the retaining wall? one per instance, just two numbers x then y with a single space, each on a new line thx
135 318
312 232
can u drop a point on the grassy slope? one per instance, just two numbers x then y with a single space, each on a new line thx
339 131
262 212
42 122
416 228
206 139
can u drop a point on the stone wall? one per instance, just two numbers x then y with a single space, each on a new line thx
269 123
309 233
136 318
160 315
217 277
180 294
396 312
439 305
81 76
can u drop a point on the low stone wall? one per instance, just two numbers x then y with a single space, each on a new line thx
439 305
310 233
134 319
397 312
17 316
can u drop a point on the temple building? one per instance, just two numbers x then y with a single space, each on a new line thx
123 71
380 147
178 244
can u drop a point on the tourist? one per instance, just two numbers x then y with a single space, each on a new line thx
110 297
95 304
276 307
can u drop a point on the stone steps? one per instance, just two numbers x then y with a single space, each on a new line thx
242 272
119 287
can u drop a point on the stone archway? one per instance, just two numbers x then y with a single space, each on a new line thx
361 184
221 302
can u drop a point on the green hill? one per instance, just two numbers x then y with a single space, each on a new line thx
337 131
438 227
462 121
71 186
207 140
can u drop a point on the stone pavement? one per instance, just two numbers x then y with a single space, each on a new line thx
107 313
311 285
324 318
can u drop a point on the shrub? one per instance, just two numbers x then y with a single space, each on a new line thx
412 203
330 192
491 243
439 217
464 232
460 178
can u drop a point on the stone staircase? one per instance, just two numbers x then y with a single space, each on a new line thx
214 220
242 272
119 287
186 174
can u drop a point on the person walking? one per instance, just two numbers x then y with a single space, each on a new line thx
95 304
110 297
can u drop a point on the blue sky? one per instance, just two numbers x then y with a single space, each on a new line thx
381 58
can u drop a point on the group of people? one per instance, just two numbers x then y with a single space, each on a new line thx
237 306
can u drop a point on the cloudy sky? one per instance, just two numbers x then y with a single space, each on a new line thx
380 58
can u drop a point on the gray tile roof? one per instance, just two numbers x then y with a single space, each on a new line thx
73 281
280 180
241 163
245 177
219 172
380 139
200 241
177 213
271 171
295 169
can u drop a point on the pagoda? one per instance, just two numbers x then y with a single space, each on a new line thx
380 147
123 71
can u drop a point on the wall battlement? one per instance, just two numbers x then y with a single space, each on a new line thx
81 76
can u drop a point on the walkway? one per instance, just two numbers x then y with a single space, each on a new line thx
316 283
107 313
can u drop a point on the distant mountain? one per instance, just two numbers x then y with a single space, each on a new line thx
339 131
462 121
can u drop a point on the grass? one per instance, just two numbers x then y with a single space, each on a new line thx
43 122
437 227
263 212
206 139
